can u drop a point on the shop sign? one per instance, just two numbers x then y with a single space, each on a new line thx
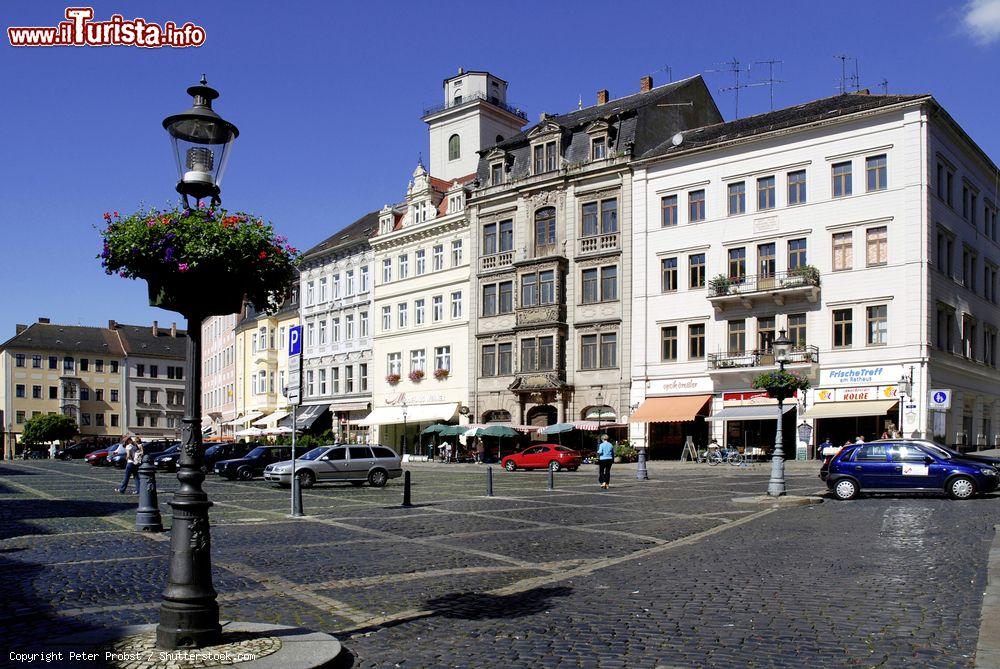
749 398
861 376
855 394
398 399
689 386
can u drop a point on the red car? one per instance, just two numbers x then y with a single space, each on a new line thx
552 456
99 458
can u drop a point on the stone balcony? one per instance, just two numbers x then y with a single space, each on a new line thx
497 261
600 244
778 287
804 360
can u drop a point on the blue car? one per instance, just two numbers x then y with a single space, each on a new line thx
906 465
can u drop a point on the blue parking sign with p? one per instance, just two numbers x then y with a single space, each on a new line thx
295 340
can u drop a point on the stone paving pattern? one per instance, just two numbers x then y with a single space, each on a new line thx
664 573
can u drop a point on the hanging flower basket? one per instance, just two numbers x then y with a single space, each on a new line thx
779 384
417 375
441 374
392 379
203 261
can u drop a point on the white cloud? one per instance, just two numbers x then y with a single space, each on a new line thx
982 20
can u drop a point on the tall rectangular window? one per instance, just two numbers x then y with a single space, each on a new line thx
322 382
668 274
841 174
488 360
506 239
766 260
797 187
489 239
421 261
797 330
364 280
363 377
796 253
668 343
598 148
418 360
490 299
538 158
590 286
404 266
349 379
550 156
437 308
505 358
588 352
878 325
418 311
322 290
395 363
386 318
403 314
696 206
737 198
456 304
529 355
349 327
506 299
322 332
438 257
875 173
696 270
529 290
386 270
363 324
349 283
765 193
696 341
442 358
609 350
547 287
609 216
456 252
668 211
737 336
737 263
588 218
843 328
877 245
496 174
609 283
843 251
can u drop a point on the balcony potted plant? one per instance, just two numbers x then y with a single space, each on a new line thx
205 256
392 379
441 374
807 274
416 375
720 284
780 384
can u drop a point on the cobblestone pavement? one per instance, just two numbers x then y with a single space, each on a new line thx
664 573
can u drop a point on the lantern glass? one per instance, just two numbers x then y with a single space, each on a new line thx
782 346
200 161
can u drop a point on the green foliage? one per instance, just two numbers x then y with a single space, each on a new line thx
307 441
780 382
625 451
46 428
808 272
719 284
204 243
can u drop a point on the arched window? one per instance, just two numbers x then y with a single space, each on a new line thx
601 412
541 416
545 231
454 147
496 416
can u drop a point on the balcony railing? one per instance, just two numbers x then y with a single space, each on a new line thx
722 286
608 242
470 98
496 261
765 358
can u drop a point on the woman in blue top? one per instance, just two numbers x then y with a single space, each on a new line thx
605 456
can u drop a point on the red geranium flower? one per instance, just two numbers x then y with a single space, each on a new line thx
262 255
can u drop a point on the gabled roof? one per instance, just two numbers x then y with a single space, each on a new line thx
139 340
68 338
357 232
810 112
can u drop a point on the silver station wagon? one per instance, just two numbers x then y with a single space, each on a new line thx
356 464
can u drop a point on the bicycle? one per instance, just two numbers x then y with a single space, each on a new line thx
736 459
713 456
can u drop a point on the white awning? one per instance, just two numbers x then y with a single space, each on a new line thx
850 409
272 419
252 416
415 413
349 406
757 412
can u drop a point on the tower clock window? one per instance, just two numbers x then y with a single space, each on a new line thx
455 145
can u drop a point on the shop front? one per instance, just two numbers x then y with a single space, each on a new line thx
749 421
670 419
347 417
843 415
399 423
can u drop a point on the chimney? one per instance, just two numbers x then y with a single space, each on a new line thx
645 84
602 96
173 329
43 320
156 329
19 328
112 325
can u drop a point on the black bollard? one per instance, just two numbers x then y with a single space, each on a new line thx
296 498
489 482
406 489
552 479
147 516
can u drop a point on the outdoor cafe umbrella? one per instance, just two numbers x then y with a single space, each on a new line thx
436 428
499 431
557 430
250 432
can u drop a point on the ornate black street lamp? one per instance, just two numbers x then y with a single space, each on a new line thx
189 613
201 142
403 448
776 485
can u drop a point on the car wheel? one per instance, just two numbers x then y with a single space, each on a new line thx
357 484
555 466
377 478
961 487
509 465
244 473
845 489
306 478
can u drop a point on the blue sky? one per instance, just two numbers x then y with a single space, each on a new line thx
328 97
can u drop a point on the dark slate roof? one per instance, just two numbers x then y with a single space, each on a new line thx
68 338
639 122
252 314
140 340
355 233
810 112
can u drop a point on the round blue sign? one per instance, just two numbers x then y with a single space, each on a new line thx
940 397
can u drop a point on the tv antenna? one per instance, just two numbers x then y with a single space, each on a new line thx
733 67
847 80
668 69
884 85
770 81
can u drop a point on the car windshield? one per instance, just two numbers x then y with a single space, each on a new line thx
211 450
314 453
941 451
257 452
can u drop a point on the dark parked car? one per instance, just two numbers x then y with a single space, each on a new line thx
167 460
552 456
226 451
148 448
74 451
253 463
906 465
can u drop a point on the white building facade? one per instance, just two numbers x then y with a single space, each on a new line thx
336 307
825 221
218 360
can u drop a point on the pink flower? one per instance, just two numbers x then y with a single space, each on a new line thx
182 267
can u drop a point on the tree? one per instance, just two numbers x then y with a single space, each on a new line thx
47 428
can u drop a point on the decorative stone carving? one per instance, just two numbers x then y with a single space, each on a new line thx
538 315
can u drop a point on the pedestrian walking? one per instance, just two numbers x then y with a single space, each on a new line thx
447 451
605 456
133 458
480 450
822 452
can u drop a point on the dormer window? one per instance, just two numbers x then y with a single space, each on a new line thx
455 203
599 148
454 147
496 174
544 157
385 224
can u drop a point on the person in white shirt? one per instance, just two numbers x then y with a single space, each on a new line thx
133 458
